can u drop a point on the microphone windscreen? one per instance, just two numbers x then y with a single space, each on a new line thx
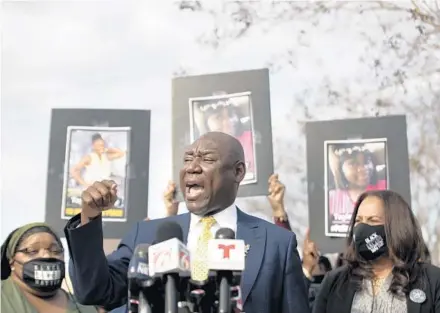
169 230
141 251
225 233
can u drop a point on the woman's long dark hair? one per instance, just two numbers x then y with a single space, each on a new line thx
404 240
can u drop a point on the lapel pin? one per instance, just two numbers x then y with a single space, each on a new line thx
246 249
417 296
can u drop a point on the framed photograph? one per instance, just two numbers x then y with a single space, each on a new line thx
236 103
95 154
86 145
346 158
231 114
351 167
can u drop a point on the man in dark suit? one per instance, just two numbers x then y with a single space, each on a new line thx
213 169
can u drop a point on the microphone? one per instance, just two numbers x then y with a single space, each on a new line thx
138 278
226 256
169 259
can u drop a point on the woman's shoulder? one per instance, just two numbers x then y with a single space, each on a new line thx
335 274
432 271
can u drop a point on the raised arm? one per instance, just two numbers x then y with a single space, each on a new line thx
276 200
114 153
97 279
169 199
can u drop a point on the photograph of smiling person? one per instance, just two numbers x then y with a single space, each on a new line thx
352 167
94 154
230 114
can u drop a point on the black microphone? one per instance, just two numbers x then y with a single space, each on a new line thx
169 258
225 233
226 256
138 277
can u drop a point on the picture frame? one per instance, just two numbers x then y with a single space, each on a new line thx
237 103
210 111
362 163
136 123
390 130
83 166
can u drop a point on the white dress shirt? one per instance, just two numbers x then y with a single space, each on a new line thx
224 219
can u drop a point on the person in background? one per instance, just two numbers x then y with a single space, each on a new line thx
386 270
275 197
32 271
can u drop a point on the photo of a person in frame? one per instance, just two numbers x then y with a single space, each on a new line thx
96 165
354 167
95 154
229 114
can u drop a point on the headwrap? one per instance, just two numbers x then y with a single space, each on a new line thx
10 245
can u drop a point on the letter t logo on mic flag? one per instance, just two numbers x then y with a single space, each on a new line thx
226 250
226 254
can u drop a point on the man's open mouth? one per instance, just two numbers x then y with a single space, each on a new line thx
193 190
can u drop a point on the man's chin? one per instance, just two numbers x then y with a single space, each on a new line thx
197 207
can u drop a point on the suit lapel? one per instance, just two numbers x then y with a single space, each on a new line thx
349 291
183 220
249 230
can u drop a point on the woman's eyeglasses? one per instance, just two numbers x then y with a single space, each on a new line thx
32 251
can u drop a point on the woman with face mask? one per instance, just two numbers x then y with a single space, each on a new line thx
385 271
32 271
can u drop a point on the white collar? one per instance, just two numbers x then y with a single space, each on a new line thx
226 218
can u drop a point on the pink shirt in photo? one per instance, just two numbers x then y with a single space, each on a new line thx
340 202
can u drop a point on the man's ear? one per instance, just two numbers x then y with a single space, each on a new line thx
240 171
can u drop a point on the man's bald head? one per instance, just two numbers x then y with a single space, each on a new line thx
229 145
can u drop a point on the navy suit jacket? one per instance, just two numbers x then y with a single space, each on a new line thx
272 282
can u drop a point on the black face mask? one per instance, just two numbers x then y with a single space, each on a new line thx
44 275
370 241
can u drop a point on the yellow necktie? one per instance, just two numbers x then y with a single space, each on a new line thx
199 262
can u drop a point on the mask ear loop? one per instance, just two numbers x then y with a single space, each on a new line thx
5 266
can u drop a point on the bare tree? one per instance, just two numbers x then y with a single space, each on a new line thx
399 71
